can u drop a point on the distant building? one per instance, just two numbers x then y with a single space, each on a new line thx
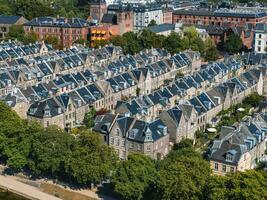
7 21
260 38
97 9
67 30
144 14
229 17
116 22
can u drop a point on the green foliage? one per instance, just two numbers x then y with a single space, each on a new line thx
53 40
182 175
30 37
233 44
38 8
100 43
173 43
89 118
91 160
185 143
152 23
16 32
52 152
249 185
134 176
31 8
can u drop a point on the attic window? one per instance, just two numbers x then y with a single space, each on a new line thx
229 157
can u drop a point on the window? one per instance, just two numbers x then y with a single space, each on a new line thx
232 169
117 132
259 48
216 166
111 140
148 148
259 42
229 157
224 168
131 145
259 35
118 142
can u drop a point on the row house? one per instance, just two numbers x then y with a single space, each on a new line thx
228 93
68 109
149 105
184 119
25 72
128 134
239 148
11 50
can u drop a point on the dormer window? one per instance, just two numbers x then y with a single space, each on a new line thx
47 113
229 157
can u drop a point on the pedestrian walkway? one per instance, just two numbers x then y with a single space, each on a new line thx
23 189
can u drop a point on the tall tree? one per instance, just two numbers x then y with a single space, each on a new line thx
134 176
233 44
91 160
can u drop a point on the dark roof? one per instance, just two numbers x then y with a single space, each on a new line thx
58 22
109 19
9 19
221 13
161 28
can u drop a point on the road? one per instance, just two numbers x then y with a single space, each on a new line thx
23 189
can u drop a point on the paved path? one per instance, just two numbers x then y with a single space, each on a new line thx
24 189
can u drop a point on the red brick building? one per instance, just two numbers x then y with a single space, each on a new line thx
167 15
219 17
97 9
67 30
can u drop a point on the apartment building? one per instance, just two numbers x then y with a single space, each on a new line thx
229 17
67 30
260 38
144 14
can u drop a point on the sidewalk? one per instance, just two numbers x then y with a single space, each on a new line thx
23 189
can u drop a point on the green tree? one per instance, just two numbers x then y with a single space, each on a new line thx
173 43
185 143
152 23
249 185
30 37
89 118
118 40
134 176
182 175
16 32
132 43
91 160
4 9
31 8
100 43
49 149
233 44
53 40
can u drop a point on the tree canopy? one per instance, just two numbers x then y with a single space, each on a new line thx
233 44
52 152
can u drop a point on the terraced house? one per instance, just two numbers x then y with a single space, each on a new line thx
128 134
241 147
